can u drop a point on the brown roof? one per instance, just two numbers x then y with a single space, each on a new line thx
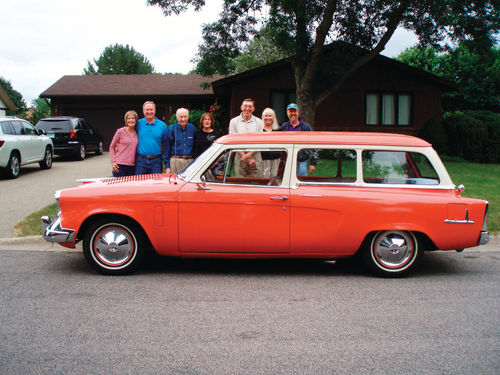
130 85
7 100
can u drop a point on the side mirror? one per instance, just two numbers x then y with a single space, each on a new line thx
202 185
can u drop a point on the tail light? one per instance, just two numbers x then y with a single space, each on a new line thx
1 143
72 134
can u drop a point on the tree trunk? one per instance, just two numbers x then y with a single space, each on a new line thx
305 98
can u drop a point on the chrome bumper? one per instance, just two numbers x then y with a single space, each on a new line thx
53 232
484 238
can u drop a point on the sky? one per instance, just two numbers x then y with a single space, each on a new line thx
41 41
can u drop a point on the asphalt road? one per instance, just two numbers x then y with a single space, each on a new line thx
248 317
35 188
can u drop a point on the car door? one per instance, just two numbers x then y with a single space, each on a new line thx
24 142
324 204
35 142
235 214
90 134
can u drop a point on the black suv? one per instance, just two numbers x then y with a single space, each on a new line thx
71 136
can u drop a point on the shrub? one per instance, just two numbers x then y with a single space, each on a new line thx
467 136
433 132
492 122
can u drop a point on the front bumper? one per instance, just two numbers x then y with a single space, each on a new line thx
52 231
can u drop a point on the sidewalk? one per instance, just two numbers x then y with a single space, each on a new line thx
37 243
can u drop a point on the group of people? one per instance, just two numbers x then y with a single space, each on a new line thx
144 145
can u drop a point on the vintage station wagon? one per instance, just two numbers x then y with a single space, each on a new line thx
386 197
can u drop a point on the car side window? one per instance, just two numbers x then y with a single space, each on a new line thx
18 128
332 166
28 128
6 128
398 167
248 167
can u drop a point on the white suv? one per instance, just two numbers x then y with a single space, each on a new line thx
20 144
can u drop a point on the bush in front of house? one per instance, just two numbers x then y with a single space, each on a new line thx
469 137
492 121
433 132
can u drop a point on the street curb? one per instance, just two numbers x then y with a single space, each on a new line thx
37 243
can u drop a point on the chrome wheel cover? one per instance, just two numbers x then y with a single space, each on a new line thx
48 158
113 246
14 166
82 152
394 250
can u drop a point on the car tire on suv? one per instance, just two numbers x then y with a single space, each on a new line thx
46 163
13 166
81 152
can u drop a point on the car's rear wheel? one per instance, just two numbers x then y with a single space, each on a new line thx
100 148
392 253
81 152
114 246
46 163
13 166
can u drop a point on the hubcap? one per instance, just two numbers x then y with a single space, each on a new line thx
394 249
48 158
14 166
114 246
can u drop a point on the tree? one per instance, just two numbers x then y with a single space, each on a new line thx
118 59
41 109
475 71
15 96
304 29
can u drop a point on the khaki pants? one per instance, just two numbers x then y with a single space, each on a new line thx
178 164
242 169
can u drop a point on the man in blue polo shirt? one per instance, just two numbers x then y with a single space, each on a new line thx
153 141
181 140
295 124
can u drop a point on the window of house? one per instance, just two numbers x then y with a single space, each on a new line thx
279 101
333 166
388 109
398 167
267 167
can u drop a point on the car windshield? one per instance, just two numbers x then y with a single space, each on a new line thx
49 125
200 160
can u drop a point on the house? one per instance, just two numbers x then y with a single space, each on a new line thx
103 99
384 95
6 103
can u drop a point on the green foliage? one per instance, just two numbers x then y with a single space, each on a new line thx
15 96
475 71
119 59
433 132
41 109
467 136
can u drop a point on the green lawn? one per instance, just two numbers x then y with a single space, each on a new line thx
480 181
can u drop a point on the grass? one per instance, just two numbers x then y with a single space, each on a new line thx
480 181
31 224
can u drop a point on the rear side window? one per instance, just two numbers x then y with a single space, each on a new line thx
54 125
18 127
398 167
28 128
6 128
333 166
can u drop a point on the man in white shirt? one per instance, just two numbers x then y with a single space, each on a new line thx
248 164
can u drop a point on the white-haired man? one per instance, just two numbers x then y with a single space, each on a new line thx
181 141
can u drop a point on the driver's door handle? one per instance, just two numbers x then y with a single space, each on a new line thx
280 197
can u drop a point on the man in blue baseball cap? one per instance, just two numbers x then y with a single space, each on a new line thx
296 124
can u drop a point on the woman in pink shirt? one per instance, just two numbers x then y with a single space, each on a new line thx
123 147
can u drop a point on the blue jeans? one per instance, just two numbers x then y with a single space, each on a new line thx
145 166
302 168
124 170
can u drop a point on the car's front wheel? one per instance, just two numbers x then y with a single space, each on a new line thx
392 253
13 166
114 246
46 163
81 152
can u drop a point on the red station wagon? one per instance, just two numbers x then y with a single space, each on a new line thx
387 197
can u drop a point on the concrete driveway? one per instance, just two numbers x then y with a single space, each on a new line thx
35 188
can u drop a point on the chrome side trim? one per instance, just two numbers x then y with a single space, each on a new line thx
52 231
450 221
